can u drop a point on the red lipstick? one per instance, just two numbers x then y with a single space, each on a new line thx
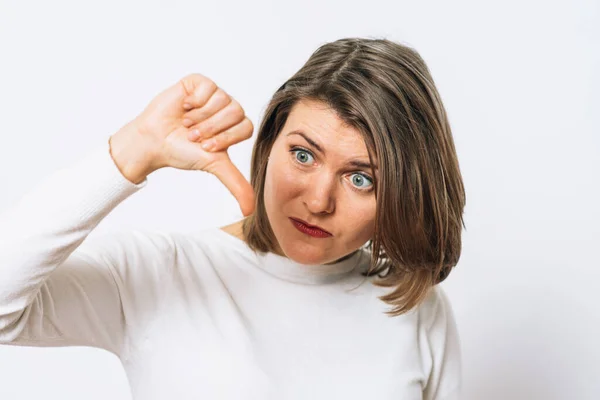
310 230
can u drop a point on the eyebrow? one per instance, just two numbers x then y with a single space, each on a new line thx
354 163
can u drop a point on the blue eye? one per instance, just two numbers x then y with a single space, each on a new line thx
361 181
302 156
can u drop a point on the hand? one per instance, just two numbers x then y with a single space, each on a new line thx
176 130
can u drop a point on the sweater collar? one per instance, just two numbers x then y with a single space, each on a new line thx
315 274
289 270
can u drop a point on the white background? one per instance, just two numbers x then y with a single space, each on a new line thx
520 81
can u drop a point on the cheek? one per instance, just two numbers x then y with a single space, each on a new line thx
283 182
359 218
282 186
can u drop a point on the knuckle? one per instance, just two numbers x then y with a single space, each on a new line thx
195 75
237 112
221 97
208 86
236 105
248 128
189 82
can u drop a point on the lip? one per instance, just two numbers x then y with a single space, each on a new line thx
311 230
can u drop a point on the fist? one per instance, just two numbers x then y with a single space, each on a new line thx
189 126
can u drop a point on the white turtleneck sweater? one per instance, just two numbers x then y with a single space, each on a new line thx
201 316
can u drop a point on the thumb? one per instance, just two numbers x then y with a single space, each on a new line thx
236 183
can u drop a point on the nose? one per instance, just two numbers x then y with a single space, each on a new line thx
320 195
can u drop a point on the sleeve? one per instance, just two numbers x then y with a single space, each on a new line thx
59 289
440 348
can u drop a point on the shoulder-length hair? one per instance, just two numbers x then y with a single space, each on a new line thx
385 91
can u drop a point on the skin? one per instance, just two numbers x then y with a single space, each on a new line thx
321 188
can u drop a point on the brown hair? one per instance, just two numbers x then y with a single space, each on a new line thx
385 91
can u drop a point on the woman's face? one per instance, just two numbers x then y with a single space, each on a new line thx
318 172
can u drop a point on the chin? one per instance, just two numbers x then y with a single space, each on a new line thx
303 253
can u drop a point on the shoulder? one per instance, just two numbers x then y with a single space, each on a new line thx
435 312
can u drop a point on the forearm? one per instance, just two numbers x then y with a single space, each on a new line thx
47 225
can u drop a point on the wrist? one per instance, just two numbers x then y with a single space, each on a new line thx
130 155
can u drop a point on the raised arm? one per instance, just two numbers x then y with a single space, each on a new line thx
56 290
59 289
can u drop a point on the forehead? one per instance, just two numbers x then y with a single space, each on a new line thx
317 120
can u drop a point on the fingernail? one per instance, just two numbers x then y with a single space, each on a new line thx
187 106
193 135
187 122
209 144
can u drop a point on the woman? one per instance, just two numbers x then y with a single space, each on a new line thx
325 290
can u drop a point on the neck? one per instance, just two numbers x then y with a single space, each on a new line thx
236 230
